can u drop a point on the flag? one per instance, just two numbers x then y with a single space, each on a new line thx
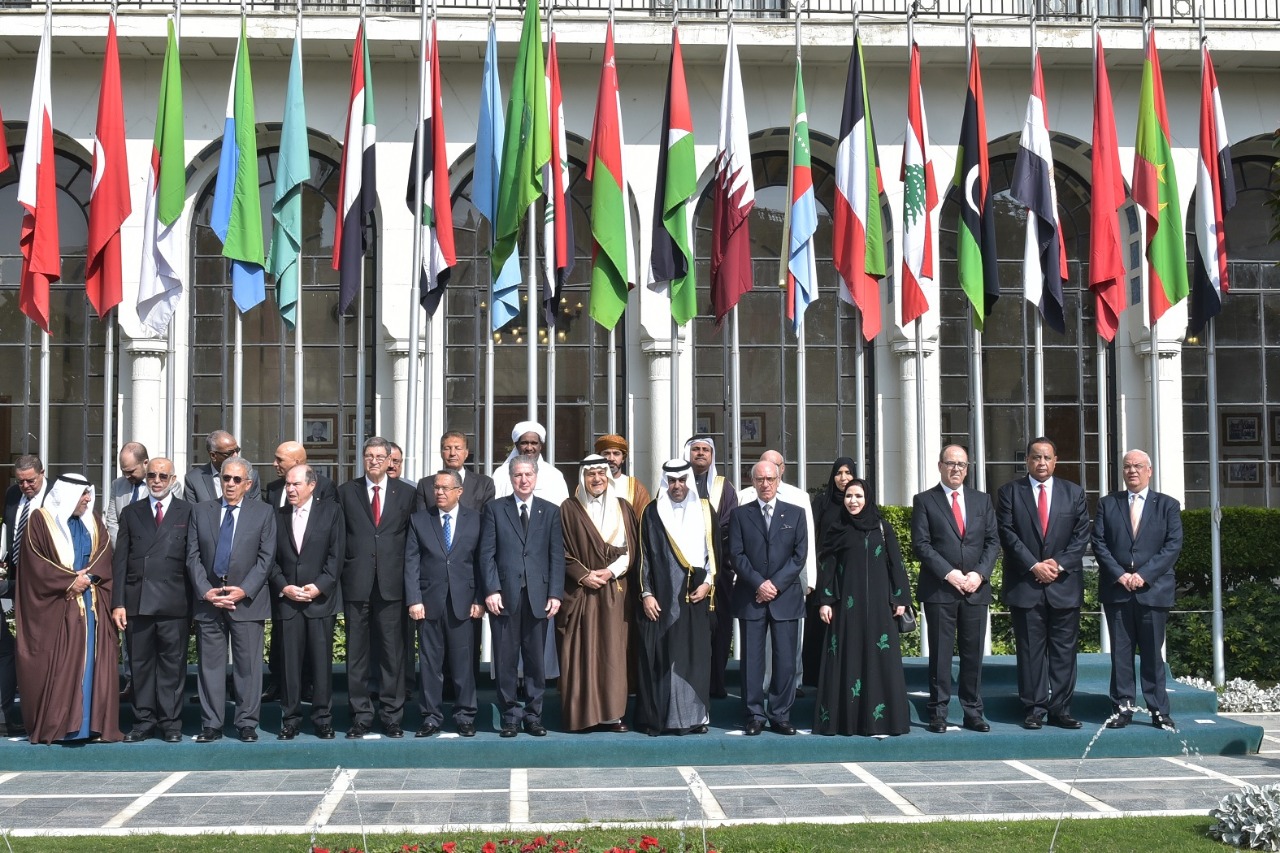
976 235
109 203
1215 195
437 208
293 169
612 262
858 233
236 216
677 181
164 259
734 194
504 303
4 149
919 204
557 234
1155 189
527 142
802 217
38 195
1106 252
357 182
1044 266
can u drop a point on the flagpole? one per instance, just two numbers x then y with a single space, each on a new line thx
108 380
489 332
735 368
170 345
531 318
298 382
613 331
979 428
1147 26
802 396
415 290
548 248
44 336
237 353
919 321
358 461
1038 320
674 384
1104 423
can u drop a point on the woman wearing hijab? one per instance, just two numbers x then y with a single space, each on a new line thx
862 587
827 506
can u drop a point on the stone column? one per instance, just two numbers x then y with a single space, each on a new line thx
147 397
398 352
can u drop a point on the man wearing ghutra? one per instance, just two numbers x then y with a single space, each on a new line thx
67 645
529 438
676 576
601 535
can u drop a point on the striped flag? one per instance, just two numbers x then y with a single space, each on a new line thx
734 194
800 265
612 258
1044 267
976 235
357 181
919 205
293 169
237 206
1215 195
557 232
109 204
38 195
438 254
1106 252
164 258
858 233
504 303
677 181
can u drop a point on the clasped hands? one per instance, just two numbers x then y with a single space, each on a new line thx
766 592
309 592
1131 581
79 585
1046 571
965 583
597 579
225 597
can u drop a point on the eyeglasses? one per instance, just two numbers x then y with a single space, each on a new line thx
28 481
232 452
764 479
232 478
156 475
1140 467
375 457
444 488
959 466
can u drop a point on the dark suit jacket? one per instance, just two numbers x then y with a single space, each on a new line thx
939 548
317 561
510 560
1152 555
252 553
150 563
374 552
777 555
325 491
433 575
1018 518
12 499
198 485
477 490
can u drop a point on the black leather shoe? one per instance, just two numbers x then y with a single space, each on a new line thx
357 730
700 729
1033 722
977 724
325 732
1119 721
509 730
467 729
754 727
535 728
1163 721
393 730
137 736
247 734
427 730
208 735
173 737
938 725
1064 721
287 733
782 727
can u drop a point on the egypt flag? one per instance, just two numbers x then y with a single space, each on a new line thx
919 205
164 260
1106 251
357 181
801 273
109 204
976 235
858 233
437 208
612 260
733 195
1044 266
38 195
1215 195
557 232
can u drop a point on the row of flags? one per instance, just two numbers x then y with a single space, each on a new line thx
520 157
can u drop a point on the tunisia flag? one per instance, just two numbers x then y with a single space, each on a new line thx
109 200
37 193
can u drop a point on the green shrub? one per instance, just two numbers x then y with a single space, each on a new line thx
1250 541
1250 614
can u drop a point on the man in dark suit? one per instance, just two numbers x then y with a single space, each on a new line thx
1137 537
230 549
376 510
477 489
522 571
1044 528
151 602
953 531
441 587
23 497
202 482
768 544
309 549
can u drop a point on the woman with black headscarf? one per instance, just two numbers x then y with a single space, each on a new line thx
827 506
862 586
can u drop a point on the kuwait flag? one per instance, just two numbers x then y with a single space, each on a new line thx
612 266
802 218
976 235
164 258
437 208
293 170
1106 253
109 203
38 195
1215 195
858 238
557 234
672 259
357 182
1044 266
1155 189
919 205
734 194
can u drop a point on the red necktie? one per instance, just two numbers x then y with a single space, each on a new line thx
1043 505
377 508
159 513
955 510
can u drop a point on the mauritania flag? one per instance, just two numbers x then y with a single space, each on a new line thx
357 181
976 236
1106 253
164 260
504 302
436 220
109 204
293 169
38 195
1044 266
677 181
919 205
802 217
858 233
612 263
237 208
557 223
1155 189
734 194
1215 195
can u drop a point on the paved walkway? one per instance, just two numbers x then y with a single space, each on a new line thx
428 801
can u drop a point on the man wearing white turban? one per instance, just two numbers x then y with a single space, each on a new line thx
528 439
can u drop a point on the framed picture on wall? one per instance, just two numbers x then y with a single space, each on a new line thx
1275 429
320 431
1242 429
326 465
1244 473
705 424
751 429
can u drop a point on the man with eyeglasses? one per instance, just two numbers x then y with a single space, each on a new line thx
23 497
954 534
231 547
202 482
130 487
151 602
395 461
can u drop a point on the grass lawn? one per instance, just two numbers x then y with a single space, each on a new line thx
1105 835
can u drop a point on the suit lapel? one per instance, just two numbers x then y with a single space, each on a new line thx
513 516
940 498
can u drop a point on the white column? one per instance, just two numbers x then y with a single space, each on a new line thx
649 452
906 440
146 396
398 353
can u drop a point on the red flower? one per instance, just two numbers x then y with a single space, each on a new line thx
447 847
319 850
489 847
648 842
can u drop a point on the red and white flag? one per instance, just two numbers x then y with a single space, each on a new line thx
1215 195
1106 253
109 203
38 195
557 235
919 206
4 149
734 194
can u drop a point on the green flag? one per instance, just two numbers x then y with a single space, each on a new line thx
611 263
293 169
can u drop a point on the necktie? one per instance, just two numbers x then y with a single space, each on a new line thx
524 517
1043 505
1135 513
299 526
377 507
448 533
159 513
955 511
222 554
768 516
19 533
136 493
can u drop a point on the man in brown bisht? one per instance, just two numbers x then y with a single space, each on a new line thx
614 449
67 645
601 541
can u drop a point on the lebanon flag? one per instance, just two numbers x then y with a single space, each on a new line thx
164 260
109 199
858 234
438 253
558 218
734 194
38 195
612 264
976 236
1215 195
919 204
357 181
1044 266
1106 253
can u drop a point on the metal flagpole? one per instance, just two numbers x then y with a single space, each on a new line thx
358 462
411 442
108 385
548 248
171 346
1104 421
613 336
1039 321
919 321
674 384
979 428
802 426
735 368
298 372
44 336
1155 339
489 332
859 358
237 353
